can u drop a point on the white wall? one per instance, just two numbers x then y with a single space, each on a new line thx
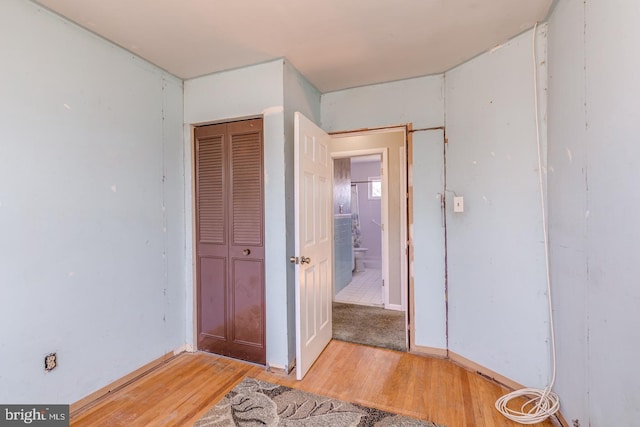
595 154
370 210
497 304
419 101
613 173
91 238
302 96
428 266
247 92
567 180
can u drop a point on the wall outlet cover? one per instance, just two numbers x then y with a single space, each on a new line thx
50 361
458 204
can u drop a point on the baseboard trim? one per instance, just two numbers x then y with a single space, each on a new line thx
186 348
557 419
440 353
278 370
118 384
485 372
292 366
281 370
396 307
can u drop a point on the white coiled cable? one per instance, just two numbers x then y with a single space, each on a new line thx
540 404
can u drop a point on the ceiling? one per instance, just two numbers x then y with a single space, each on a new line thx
336 44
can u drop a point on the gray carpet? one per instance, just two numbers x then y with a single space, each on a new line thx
259 403
372 326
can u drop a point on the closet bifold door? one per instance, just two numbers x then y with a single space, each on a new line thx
230 239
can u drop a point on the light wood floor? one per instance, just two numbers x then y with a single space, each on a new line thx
180 391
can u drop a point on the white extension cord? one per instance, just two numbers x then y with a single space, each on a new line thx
540 404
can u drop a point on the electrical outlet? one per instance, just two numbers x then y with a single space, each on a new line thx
458 204
50 362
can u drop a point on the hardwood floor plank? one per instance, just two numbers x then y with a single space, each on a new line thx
467 399
181 391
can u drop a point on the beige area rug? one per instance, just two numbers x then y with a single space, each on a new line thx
258 403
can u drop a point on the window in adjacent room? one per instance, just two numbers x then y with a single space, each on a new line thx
375 187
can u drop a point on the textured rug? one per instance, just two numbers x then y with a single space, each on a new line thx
372 326
258 403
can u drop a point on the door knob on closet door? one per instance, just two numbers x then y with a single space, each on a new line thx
246 252
305 260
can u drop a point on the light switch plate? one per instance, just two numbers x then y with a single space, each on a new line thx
458 204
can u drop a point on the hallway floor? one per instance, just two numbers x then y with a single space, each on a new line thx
365 289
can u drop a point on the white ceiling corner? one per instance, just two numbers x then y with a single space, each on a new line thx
336 44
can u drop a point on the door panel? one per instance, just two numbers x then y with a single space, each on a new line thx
211 232
247 302
309 192
213 297
324 191
313 246
324 315
230 236
308 290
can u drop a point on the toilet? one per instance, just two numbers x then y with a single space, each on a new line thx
359 255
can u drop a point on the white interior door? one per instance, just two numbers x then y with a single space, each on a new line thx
313 222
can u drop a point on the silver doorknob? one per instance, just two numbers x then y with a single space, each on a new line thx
293 259
305 260
246 252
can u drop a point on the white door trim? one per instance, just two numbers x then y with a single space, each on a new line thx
404 258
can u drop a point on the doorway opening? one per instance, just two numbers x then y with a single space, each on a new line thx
369 239
358 234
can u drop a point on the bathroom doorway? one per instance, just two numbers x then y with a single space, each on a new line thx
358 225
370 238
386 179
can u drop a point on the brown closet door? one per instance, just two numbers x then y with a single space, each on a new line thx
230 239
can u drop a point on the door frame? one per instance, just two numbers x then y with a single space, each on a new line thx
406 304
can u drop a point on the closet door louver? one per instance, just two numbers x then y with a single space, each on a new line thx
246 170
210 187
